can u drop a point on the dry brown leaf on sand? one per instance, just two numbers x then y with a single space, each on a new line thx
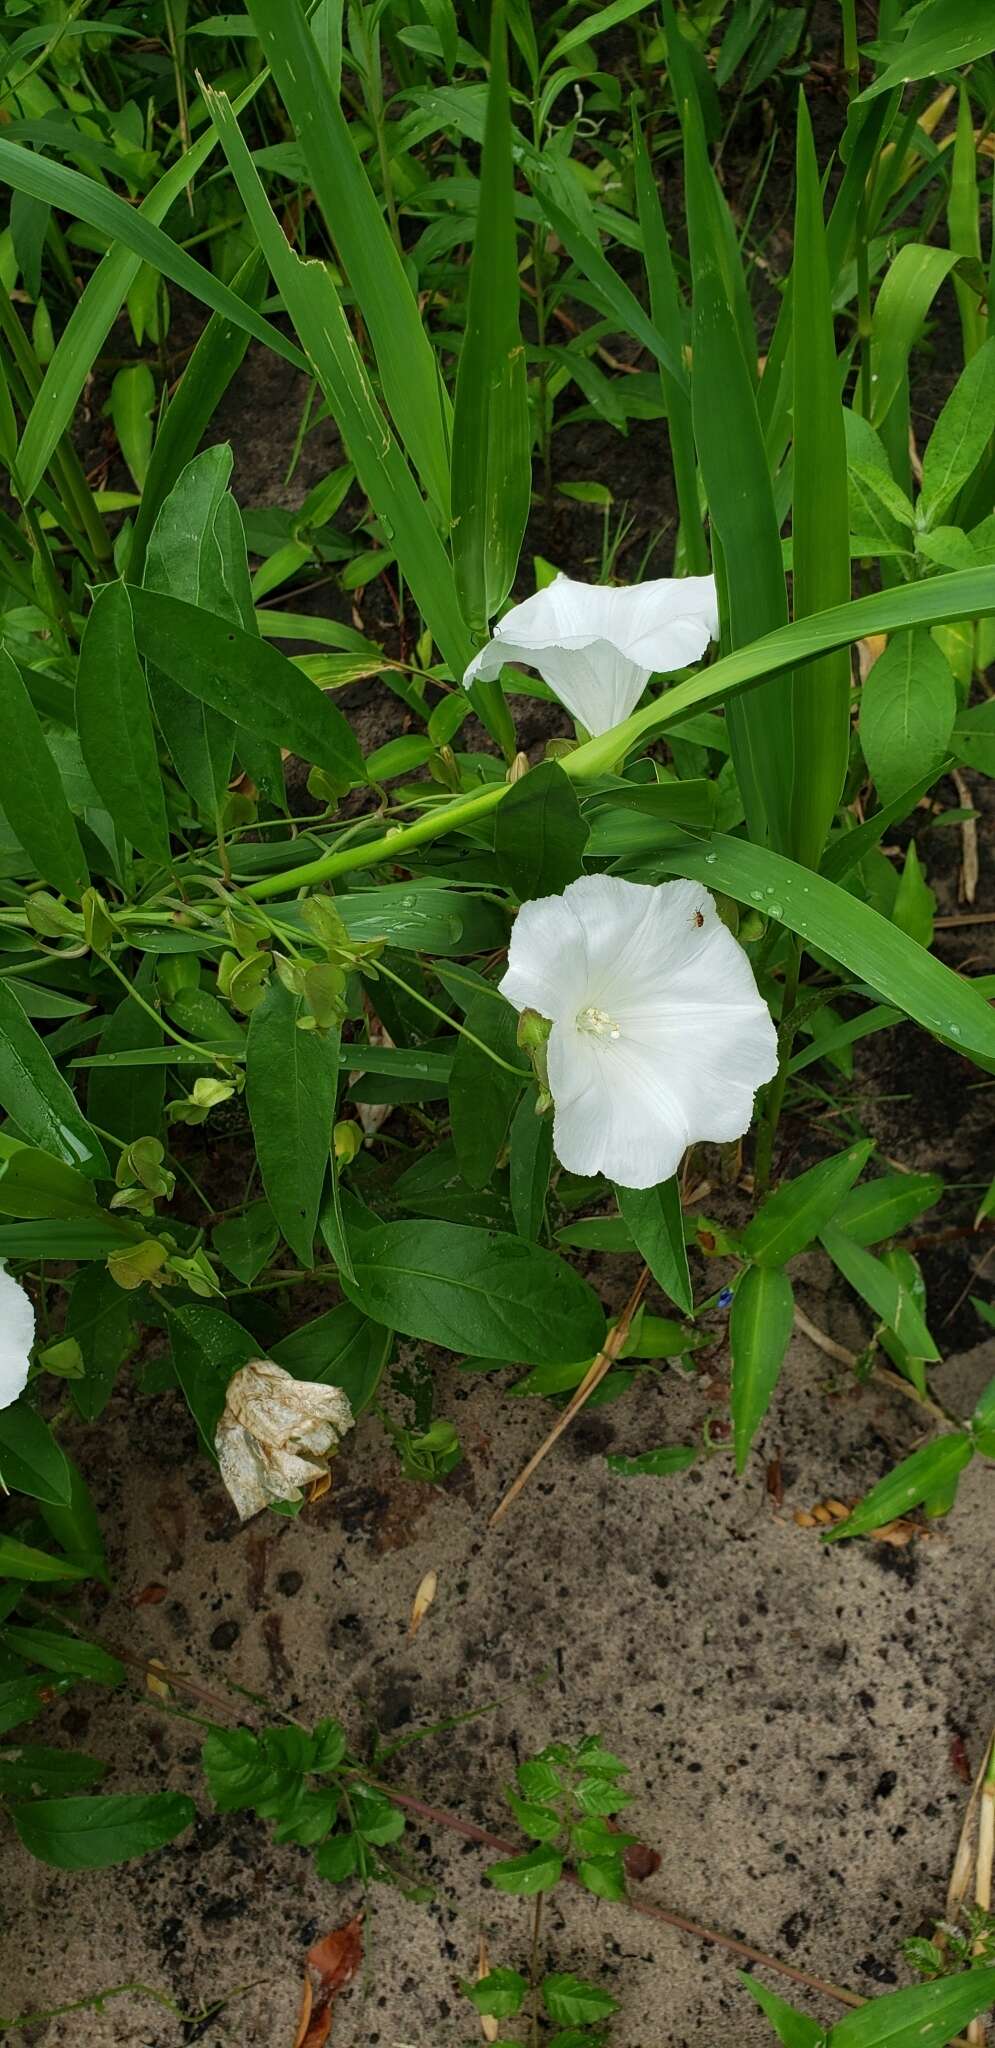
332 1963
422 1602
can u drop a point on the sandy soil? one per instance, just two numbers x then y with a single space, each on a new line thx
791 1713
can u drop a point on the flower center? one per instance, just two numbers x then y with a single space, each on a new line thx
597 1023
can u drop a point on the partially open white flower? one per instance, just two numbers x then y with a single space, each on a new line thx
17 1334
597 647
277 1434
659 1036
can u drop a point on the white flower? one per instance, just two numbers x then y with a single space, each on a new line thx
659 1035
17 1334
597 647
277 1434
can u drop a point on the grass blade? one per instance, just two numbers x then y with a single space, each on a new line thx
313 304
667 312
412 387
492 462
820 694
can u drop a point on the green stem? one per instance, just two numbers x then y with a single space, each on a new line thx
519 1073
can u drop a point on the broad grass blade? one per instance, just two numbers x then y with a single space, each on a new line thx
492 458
311 300
668 316
820 693
412 387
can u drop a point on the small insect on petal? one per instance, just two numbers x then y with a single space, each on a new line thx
422 1602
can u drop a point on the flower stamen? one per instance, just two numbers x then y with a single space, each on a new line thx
597 1023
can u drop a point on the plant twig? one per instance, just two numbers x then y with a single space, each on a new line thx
592 1378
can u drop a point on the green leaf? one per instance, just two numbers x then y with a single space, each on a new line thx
33 1092
492 436
652 1216
343 1349
881 1208
792 2028
482 1095
529 1163
76 1529
931 1471
94 313
479 1292
570 2001
789 1219
915 904
313 304
25 170
826 917
131 401
668 314
498 1995
820 693
127 1100
658 1464
737 481
99 1318
59 1651
247 680
355 222
183 559
30 1459
31 792
34 1184
246 1242
881 1289
941 36
94 1833
539 834
34 1769
291 1081
903 301
760 1326
960 436
208 1349
114 722
538 1871
924 2016
22 1561
907 711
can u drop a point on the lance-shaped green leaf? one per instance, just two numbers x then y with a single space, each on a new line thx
923 2015
33 1092
759 1329
653 1218
789 1219
820 693
960 436
826 917
540 834
492 437
930 1474
668 315
247 680
941 36
92 1833
31 792
907 710
881 1288
114 722
291 1084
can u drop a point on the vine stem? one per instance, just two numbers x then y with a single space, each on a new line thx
484 1838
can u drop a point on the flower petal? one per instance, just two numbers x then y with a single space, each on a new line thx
547 959
690 1040
17 1334
597 646
614 1113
